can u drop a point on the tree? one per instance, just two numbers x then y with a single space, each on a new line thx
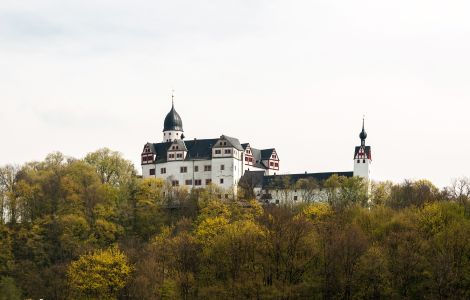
111 167
8 289
8 205
99 275
309 189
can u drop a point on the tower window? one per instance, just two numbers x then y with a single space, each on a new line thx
364 161
358 161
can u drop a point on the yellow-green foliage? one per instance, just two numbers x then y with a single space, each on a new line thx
99 275
317 211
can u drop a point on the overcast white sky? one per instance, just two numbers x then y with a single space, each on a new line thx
295 75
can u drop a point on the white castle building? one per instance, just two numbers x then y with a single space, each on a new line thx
224 161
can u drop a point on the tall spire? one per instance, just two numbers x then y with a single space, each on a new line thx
173 98
363 134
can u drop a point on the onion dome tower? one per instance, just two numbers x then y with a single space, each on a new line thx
173 125
362 156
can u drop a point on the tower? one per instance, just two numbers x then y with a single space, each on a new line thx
362 157
173 126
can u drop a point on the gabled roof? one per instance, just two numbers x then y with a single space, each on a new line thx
276 181
200 149
197 149
258 162
266 153
253 178
180 143
234 142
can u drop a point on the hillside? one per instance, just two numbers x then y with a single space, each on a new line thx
91 229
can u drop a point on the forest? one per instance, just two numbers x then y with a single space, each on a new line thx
92 229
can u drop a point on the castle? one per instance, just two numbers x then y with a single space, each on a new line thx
224 161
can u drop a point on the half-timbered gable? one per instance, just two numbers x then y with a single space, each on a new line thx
148 154
270 159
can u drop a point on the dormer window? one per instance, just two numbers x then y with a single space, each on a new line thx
228 151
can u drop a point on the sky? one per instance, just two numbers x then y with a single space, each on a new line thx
76 76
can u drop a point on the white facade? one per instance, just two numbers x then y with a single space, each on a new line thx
171 135
362 168
223 162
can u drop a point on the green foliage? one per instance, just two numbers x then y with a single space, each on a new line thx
8 289
91 229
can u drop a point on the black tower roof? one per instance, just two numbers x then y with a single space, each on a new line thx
173 120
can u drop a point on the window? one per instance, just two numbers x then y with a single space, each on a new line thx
271 164
208 181
175 183
198 182
189 182
171 155
222 167
246 158
218 151
207 168
276 165
251 159
364 161
179 155
295 198
152 172
226 196
221 181
163 171
183 169
358 161
196 168
228 151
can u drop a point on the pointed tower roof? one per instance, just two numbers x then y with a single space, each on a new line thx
363 134
173 120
